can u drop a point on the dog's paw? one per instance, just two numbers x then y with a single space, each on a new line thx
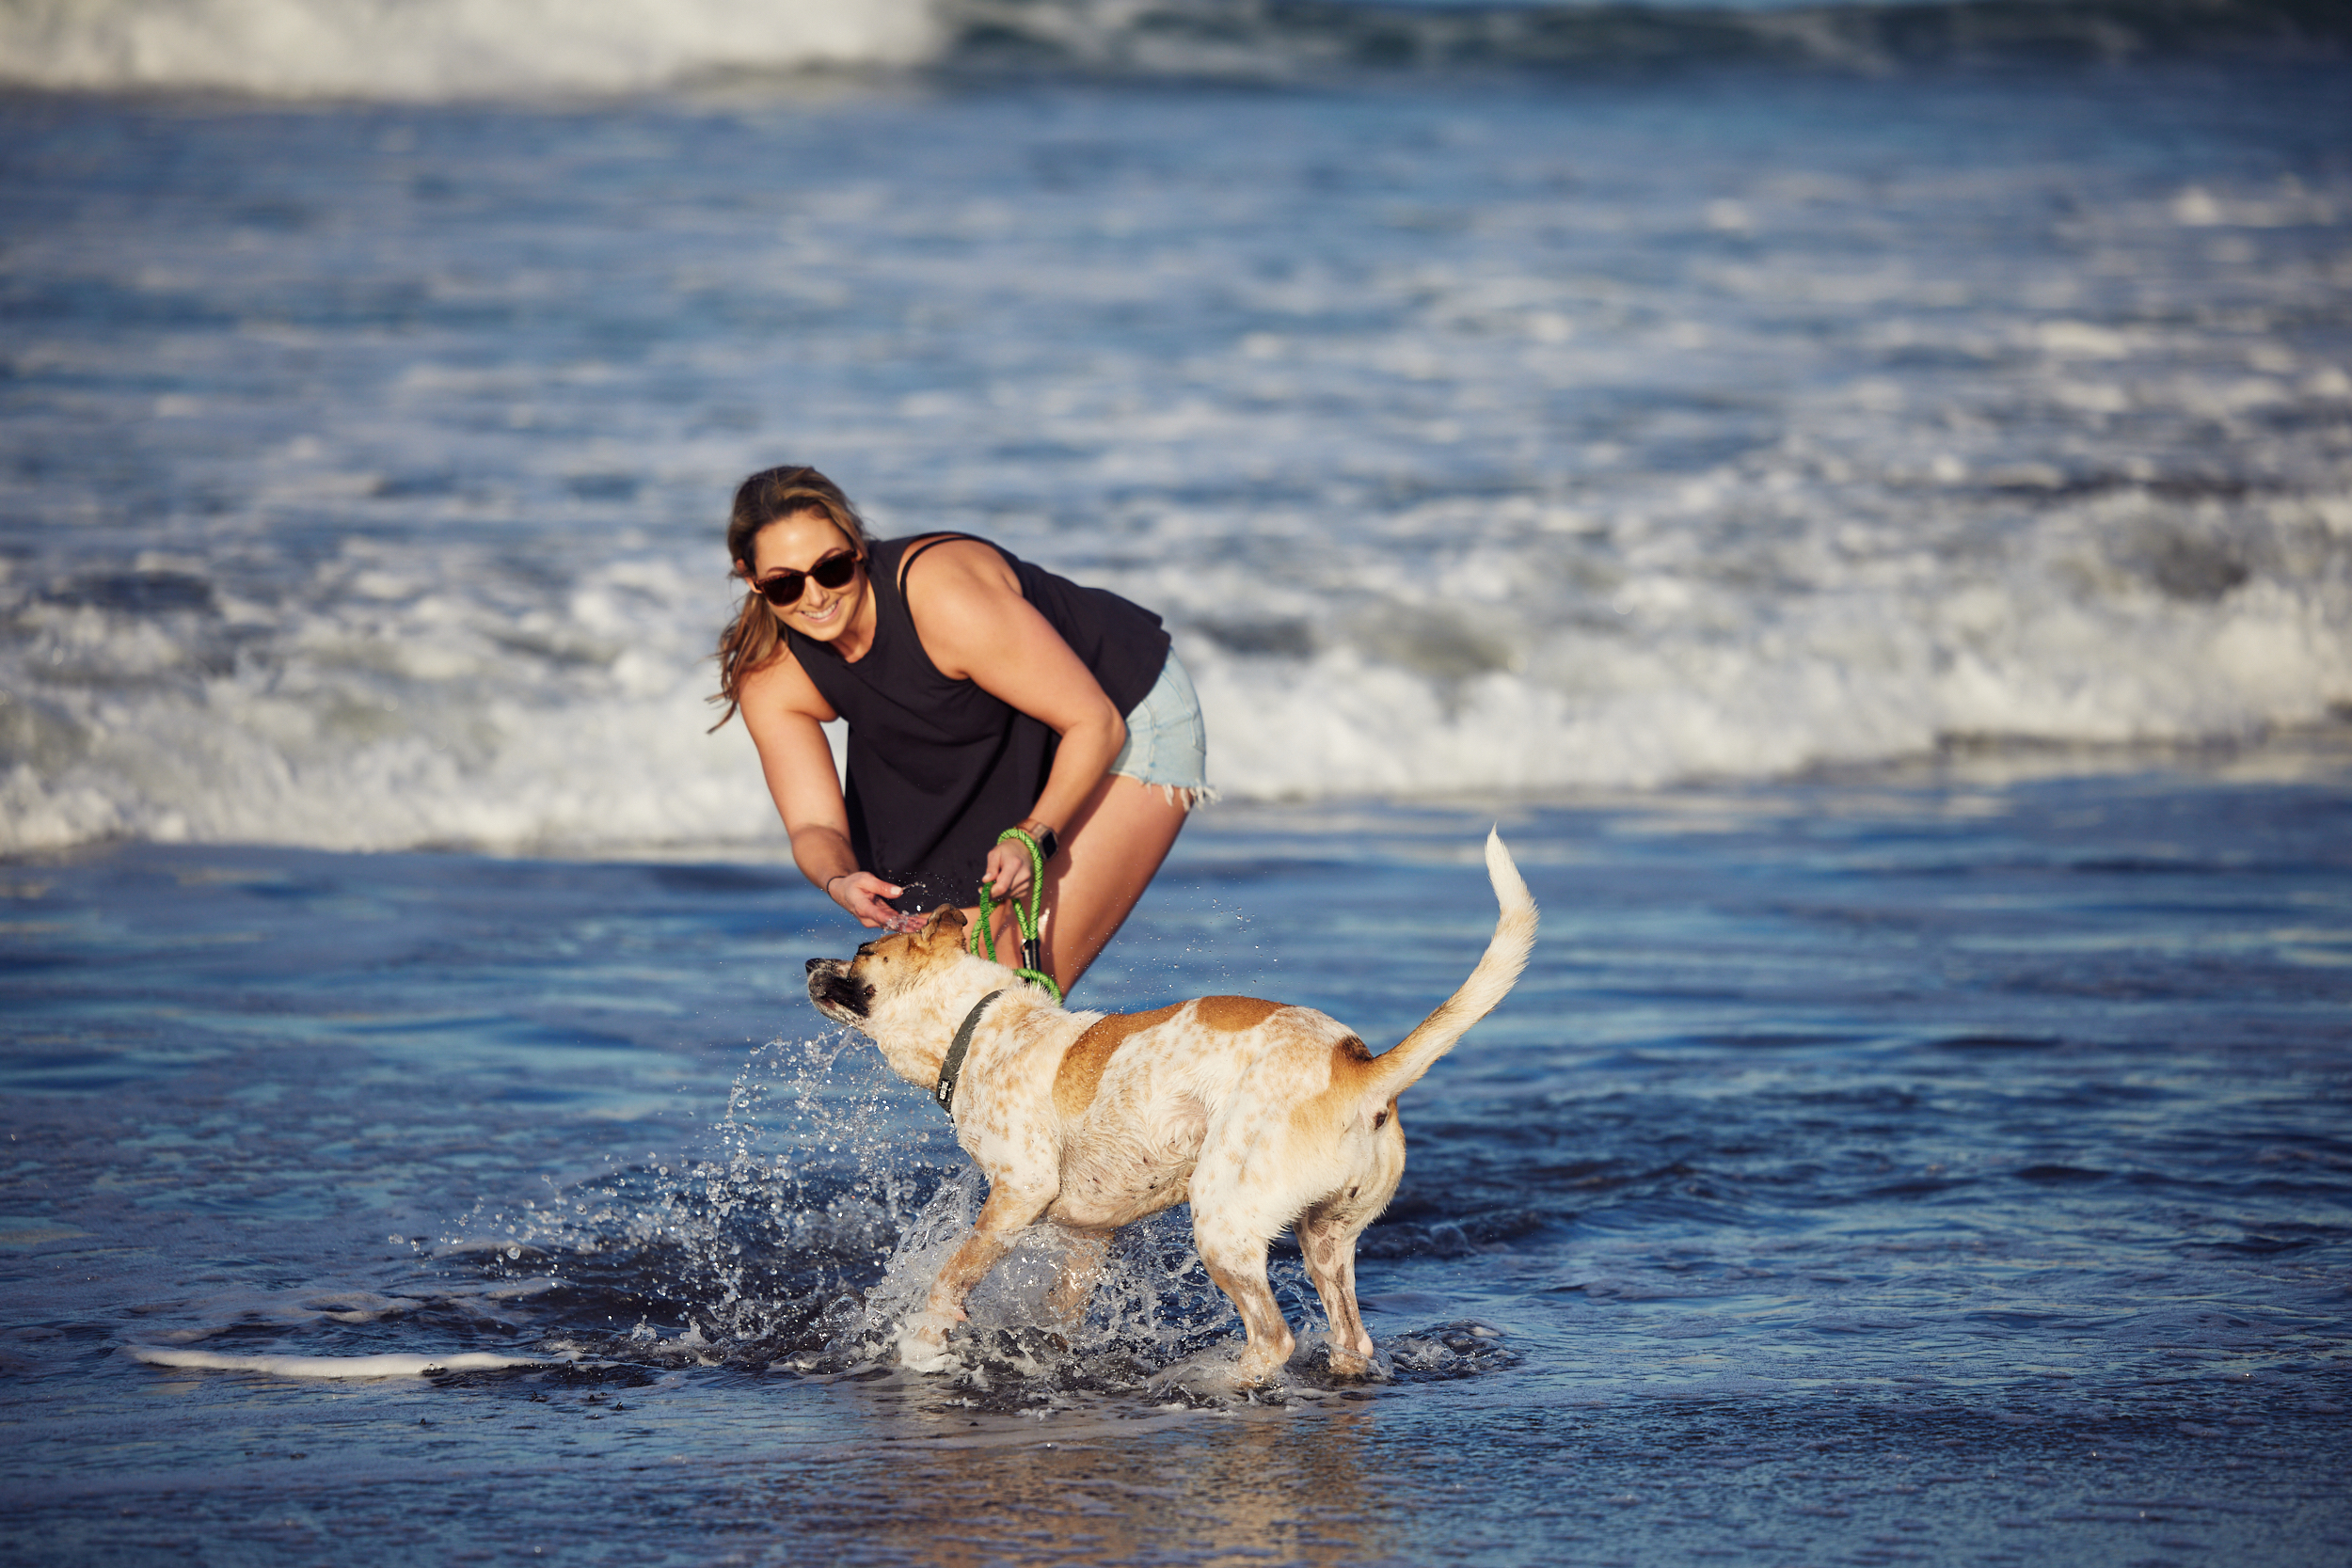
917 1356
1356 1360
922 1345
1220 1369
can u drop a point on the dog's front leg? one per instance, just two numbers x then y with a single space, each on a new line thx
1082 1261
1010 1209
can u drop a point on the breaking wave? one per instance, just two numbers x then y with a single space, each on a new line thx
445 49
435 49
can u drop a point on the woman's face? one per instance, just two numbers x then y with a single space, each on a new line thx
795 543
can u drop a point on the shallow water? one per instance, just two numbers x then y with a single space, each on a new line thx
1942 1166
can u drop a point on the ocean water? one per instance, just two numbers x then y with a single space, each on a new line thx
1951 1167
1531 430
1858 493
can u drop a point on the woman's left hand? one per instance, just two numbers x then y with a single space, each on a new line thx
1009 873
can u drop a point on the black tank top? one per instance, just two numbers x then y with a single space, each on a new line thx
938 768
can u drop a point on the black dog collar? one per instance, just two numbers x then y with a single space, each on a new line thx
945 1091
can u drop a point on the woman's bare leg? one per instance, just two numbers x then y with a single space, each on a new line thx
1114 849
1109 854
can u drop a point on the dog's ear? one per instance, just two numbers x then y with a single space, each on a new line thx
946 919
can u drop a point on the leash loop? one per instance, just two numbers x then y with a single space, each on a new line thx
1025 915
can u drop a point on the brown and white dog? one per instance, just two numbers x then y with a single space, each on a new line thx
1262 1116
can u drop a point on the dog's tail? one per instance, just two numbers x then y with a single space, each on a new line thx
1394 1071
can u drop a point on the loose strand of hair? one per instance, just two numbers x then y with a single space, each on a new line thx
750 644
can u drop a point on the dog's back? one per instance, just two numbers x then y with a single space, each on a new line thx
1142 1095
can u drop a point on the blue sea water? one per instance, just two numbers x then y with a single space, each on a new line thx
1943 1169
1859 494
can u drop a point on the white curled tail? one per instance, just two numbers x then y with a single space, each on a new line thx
1394 1071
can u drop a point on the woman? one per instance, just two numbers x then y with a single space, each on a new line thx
981 693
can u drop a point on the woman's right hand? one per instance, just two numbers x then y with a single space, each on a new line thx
861 893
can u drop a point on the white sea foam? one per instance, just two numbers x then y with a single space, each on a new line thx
1878 660
332 1366
432 49
430 727
448 713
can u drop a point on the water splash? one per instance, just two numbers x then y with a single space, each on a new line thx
813 1227
1154 1307
759 1249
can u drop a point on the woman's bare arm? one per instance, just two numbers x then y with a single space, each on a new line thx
786 716
975 625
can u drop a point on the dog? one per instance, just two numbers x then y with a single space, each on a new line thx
1262 1116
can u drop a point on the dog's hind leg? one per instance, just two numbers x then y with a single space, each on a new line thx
1083 1257
1326 1239
1238 1269
1009 1210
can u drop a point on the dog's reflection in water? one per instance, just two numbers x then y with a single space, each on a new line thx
1309 1491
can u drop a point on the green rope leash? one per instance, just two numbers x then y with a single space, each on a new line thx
1025 916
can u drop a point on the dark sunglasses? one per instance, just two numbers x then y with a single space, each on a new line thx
783 588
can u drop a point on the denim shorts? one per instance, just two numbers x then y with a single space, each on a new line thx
1167 745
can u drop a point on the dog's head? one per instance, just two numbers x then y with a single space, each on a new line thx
849 991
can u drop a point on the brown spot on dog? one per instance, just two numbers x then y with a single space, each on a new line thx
1081 1070
1083 1065
1353 1065
1232 1014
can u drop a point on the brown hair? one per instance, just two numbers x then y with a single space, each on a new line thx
751 640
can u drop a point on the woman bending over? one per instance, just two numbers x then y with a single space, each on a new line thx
981 693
